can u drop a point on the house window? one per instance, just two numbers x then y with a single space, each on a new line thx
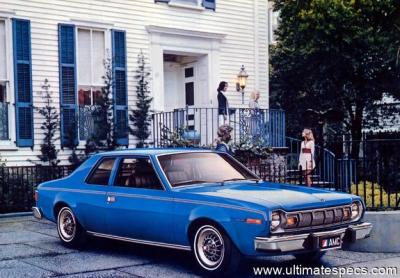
4 98
90 59
273 22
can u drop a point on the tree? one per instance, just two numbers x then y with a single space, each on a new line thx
104 135
140 117
333 60
48 151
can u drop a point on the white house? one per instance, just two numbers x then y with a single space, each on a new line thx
190 45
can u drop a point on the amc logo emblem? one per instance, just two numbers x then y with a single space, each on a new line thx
331 242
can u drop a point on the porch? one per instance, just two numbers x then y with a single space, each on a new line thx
199 125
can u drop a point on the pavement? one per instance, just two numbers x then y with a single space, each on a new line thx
31 248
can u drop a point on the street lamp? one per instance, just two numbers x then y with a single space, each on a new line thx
241 81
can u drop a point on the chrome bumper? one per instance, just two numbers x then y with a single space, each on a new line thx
309 241
37 213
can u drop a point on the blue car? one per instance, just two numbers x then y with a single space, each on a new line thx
201 201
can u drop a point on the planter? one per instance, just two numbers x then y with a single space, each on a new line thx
385 233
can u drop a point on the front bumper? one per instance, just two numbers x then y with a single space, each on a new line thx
309 241
37 213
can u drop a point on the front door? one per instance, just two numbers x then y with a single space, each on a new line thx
190 95
138 205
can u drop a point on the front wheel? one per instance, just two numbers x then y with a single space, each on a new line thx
69 230
214 251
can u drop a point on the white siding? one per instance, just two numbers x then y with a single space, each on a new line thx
243 21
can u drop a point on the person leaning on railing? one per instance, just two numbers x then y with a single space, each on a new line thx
224 136
306 157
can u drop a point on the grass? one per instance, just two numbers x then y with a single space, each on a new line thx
373 192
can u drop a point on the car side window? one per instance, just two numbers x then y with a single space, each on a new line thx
102 173
137 173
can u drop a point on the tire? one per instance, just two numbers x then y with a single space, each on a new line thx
69 230
311 257
214 251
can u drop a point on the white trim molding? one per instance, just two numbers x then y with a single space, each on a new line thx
154 29
7 13
94 24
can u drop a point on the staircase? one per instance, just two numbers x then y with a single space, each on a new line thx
323 175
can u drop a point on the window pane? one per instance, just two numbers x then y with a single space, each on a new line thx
97 100
3 64
84 96
84 54
98 57
137 173
189 168
103 172
3 95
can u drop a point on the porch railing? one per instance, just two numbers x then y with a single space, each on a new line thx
200 125
4 120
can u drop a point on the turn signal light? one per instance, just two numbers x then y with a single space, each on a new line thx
36 196
253 221
291 221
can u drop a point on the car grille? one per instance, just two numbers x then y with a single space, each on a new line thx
320 217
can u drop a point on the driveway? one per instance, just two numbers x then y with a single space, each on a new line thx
31 248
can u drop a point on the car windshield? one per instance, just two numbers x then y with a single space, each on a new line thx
202 167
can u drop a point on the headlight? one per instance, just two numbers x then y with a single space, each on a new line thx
356 210
276 220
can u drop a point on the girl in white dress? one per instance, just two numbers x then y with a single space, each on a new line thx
306 158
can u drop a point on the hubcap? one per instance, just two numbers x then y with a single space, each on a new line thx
209 247
66 224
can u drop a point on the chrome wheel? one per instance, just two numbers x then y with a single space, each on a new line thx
66 224
209 247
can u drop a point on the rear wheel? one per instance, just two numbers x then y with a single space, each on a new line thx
69 230
214 251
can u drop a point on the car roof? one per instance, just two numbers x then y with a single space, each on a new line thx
152 151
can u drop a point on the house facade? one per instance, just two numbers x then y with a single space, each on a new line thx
189 45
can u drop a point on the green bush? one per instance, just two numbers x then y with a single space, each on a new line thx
373 192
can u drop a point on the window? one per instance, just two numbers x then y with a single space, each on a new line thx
190 168
91 55
102 173
195 4
273 22
137 173
3 83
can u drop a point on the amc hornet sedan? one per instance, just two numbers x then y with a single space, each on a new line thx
201 201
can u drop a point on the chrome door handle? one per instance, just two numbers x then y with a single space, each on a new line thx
110 199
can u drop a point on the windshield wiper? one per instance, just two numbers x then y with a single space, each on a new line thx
239 179
187 182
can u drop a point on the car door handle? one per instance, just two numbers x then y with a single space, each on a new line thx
111 199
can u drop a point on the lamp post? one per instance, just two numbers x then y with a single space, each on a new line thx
241 81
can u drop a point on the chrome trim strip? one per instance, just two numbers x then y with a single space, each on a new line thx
140 241
167 199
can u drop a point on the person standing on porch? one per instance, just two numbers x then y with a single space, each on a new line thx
254 97
223 104
306 158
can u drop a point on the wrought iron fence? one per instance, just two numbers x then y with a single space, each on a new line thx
17 184
201 124
4 120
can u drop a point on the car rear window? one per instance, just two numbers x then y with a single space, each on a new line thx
102 173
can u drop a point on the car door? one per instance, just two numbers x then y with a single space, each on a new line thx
91 198
139 206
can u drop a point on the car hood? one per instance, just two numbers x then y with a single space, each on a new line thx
273 195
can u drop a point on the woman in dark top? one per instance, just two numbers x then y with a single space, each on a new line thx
223 105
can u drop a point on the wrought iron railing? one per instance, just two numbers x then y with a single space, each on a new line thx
325 164
200 125
4 121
